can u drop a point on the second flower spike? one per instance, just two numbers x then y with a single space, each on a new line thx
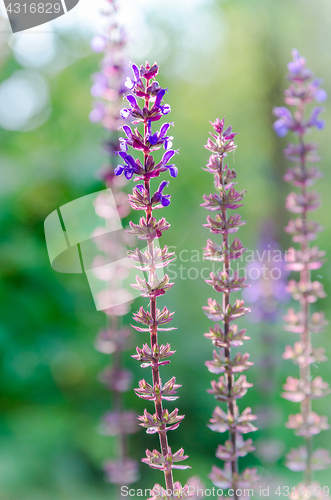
226 335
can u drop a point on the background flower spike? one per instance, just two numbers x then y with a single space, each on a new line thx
302 91
231 385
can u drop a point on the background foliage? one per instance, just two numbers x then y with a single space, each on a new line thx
217 58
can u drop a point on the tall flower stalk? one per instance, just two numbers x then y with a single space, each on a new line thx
108 89
229 388
151 261
302 91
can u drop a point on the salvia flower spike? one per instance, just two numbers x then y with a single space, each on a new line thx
108 88
225 335
143 85
304 88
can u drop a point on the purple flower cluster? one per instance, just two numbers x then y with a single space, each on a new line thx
302 91
152 94
229 387
144 85
108 87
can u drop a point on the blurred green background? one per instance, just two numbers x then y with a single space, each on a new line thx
217 58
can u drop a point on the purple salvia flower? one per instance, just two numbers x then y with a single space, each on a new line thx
229 387
302 91
285 121
129 168
130 83
314 120
144 85
160 138
159 197
108 87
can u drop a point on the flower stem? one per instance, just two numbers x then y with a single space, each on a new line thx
231 404
168 476
305 371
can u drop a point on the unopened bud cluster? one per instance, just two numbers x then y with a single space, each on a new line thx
232 384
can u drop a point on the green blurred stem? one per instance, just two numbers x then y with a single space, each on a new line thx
118 407
118 402
305 372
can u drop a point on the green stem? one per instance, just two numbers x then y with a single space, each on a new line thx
305 371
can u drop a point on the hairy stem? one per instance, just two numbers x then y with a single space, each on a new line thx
305 372
232 407
153 331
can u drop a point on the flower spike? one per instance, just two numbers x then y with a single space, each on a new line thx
153 259
108 90
302 91
229 387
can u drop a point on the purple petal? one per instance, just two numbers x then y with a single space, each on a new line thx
165 109
163 185
167 156
153 138
227 131
320 95
128 174
128 131
122 154
165 200
125 113
167 143
173 171
132 101
123 145
164 130
316 83
315 112
313 120
294 67
159 97
130 161
135 70
283 112
280 128
129 84
119 170
320 124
